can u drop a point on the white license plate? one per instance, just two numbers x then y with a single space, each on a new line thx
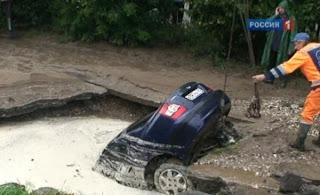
194 94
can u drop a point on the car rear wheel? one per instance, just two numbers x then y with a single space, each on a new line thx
172 179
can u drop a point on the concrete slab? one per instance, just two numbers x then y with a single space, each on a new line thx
25 92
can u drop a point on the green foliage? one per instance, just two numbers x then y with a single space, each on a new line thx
128 22
226 150
2 19
210 30
16 189
28 13
13 190
140 22
307 16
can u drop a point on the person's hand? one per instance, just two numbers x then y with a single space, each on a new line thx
258 78
277 11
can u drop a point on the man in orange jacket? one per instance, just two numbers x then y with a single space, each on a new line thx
307 58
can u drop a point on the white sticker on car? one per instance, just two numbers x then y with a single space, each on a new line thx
173 108
194 94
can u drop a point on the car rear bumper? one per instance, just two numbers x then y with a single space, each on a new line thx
125 159
119 167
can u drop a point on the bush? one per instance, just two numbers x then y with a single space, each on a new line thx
140 22
210 31
12 189
120 22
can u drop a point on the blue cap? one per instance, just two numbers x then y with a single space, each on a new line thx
301 37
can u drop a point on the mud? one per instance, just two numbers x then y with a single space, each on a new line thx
102 106
36 67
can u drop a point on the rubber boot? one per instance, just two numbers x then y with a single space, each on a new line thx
301 137
284 82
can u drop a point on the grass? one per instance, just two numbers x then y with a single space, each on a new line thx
16 189
13 189
224 150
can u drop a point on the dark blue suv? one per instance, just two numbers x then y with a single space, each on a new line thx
184 128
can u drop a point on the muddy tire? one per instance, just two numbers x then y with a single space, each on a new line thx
171 178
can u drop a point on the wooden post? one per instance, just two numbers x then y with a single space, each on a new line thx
244 16
9 4
231 33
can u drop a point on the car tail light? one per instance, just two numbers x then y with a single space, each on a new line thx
173 111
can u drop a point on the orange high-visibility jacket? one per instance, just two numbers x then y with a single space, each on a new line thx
307 59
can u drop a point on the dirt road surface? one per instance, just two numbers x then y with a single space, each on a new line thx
39 68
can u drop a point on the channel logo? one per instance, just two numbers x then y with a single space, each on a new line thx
288 24
270 24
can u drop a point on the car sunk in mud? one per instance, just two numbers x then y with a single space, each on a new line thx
155 150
